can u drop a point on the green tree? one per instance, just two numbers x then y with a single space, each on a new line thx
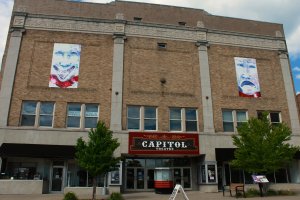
97 154
262 147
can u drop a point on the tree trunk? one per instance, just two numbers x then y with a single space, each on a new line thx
94 188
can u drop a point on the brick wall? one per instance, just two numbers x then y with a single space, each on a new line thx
145 65
224 83
163 14
33 71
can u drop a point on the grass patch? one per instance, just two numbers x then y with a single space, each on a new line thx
252 193
256 193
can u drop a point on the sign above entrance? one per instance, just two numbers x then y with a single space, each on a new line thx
163 143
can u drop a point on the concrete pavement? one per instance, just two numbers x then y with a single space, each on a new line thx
192 195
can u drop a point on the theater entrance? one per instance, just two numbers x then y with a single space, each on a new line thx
139 173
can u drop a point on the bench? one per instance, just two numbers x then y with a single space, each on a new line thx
235 187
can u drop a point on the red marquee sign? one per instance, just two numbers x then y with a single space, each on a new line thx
163 143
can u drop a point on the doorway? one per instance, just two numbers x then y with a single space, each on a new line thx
182 176
135 178
57 179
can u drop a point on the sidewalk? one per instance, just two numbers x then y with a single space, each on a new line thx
192 195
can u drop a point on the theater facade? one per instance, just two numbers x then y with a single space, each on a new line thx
172 84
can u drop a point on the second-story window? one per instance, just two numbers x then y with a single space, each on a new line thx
82 115
46 114
232 119
29 110
74 113
91 115
175 119
38 114
142 118
183 119
274 117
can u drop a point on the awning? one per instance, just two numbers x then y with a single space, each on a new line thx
36 150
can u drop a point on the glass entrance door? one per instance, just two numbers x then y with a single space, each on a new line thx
182 176
150 179
57 179
135 178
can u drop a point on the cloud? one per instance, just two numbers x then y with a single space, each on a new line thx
297 76
277 11
5 13
296 69
293 42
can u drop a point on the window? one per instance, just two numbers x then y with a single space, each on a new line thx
232 119
274 117
36 113
182 23
161 45
183 119
137 19
141 118
46 114
74 112
208 172
82 115
91 115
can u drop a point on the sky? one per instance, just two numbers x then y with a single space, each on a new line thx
285 12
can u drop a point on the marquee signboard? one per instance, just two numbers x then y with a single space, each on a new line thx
163 143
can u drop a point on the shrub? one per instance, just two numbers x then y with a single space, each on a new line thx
252 193
286 192
271 192
70 196
116 196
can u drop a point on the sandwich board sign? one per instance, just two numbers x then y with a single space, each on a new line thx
175 191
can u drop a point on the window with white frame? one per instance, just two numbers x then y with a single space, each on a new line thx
35 113
142 118
82 115
274 117
183 119
233 119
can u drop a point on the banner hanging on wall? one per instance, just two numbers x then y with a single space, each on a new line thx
247 77
65 65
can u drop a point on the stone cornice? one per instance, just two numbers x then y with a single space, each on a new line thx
189 34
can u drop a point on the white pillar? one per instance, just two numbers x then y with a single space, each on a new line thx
9 75
117 84
208 118
290 93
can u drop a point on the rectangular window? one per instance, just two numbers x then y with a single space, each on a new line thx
175 119
36 113
241 117
46 114
183 119
228 124
149 118
28 113
233 119
141 118
91 115
74 111
274 117
137 19
133 117
82 115
191 120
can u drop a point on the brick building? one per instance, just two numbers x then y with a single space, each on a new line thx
173 83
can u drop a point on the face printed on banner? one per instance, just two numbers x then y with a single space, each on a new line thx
65 65
247 78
